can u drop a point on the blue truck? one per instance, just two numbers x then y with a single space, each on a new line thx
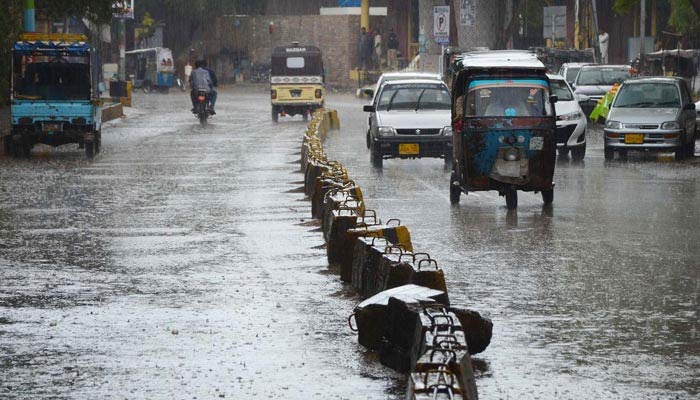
55 98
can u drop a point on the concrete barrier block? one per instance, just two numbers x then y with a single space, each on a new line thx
370 315
112 111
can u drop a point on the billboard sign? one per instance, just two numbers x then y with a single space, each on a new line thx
123 9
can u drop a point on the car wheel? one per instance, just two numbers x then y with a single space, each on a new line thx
609 153
369 140
548 196
376 156
511 199
563 152
578 153
691 149
681 150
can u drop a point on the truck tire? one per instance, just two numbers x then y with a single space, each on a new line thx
89 149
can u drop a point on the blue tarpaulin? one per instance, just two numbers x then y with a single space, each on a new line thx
53 48
349 3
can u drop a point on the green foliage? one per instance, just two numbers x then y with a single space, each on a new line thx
97 10
684 19
623 7
10 25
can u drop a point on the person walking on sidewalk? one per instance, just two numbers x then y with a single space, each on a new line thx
604 42
364 45
378 48
393 48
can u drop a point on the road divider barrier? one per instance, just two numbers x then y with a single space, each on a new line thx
406 317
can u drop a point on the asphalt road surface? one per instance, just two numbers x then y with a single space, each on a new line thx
182 263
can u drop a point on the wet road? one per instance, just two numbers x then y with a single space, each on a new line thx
596 298
181 263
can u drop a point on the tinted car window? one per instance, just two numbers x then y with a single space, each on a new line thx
601 76
414 97
648 95
571 73
561 90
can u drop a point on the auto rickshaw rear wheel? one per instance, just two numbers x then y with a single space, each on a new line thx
98 142
548 196
275 115
511 199
564 152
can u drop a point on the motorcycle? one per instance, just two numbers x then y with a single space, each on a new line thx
201 108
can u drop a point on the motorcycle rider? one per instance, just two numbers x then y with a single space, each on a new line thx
213 94
200 81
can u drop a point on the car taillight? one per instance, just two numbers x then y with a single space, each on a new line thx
201 98
273 94
318 93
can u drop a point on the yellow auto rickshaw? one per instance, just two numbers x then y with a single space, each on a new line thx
297 81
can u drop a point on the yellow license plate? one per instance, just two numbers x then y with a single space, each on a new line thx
634 138
409 149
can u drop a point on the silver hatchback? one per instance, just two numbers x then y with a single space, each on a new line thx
651 114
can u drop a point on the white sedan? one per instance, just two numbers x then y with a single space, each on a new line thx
571 121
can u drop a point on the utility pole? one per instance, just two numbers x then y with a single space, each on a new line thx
121 34
642 32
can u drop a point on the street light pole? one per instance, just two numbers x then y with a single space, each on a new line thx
642 32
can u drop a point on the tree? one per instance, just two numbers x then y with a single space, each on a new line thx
684 17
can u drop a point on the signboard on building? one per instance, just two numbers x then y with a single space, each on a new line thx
441 28
123 9
554 22
467 12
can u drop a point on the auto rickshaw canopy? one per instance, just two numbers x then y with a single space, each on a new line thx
296 60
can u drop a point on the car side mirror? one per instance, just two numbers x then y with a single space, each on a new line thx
582 98
553 99
368 108
689 106
369 92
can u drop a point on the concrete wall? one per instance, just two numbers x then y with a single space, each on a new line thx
336 36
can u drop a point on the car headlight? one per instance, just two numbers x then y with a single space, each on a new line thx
670 125
386 131
447 131
570 116
613 125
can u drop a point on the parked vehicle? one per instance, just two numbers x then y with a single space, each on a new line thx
654 114
389 77
504 125
201 107
596 80
297 81
411 119
571 122
151 69
54 95
570 70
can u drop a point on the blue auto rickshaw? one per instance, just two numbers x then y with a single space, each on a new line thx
504 126
151 69
55 98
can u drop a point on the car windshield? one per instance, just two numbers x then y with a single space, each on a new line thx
508 98
648 95
561 90
602 76
415 97
571 73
